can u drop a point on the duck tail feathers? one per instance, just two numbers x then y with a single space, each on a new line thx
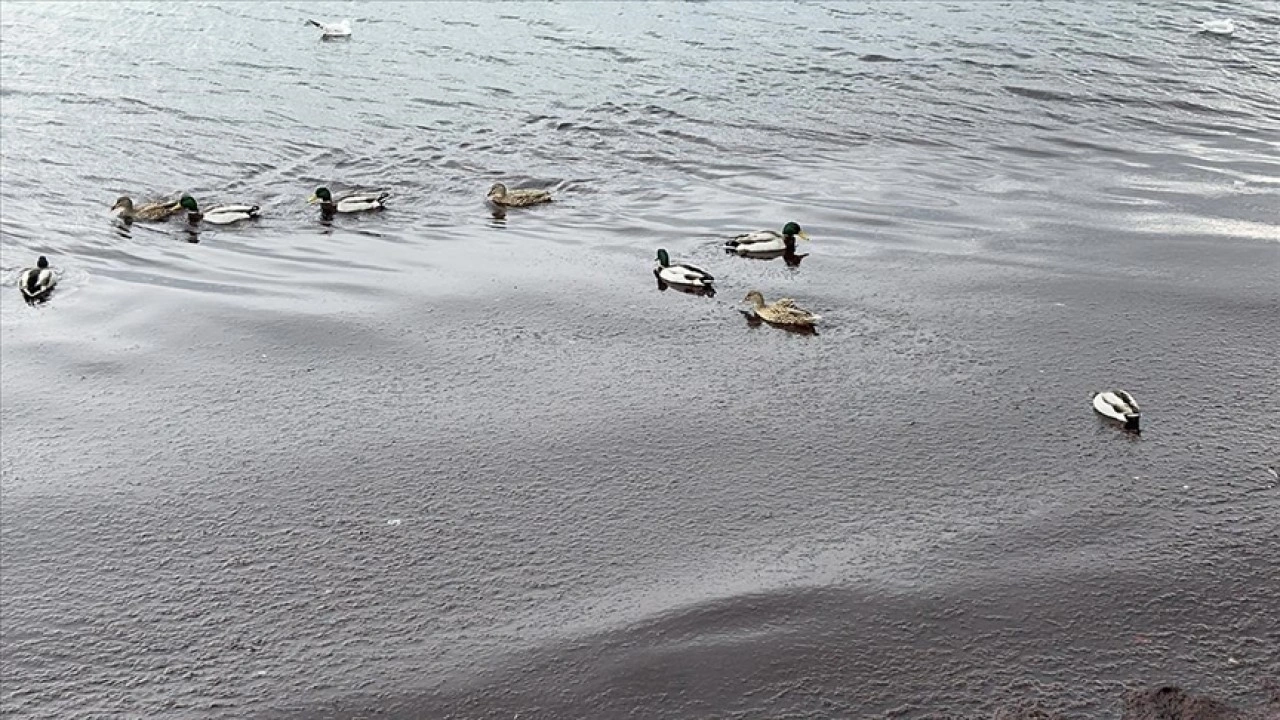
313 23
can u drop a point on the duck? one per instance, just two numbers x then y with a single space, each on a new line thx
221 215
38 282
1220 26
125 210
520 197
353 203
340 29
767 241
1119 405
782 312
681 274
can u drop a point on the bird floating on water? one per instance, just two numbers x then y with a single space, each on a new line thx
221 215
783 312
1219 26
519 197
38 282
353 203
767 241
681 274
1119 405
125 210
340 29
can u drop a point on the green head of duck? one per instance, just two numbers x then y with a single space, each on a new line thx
792 229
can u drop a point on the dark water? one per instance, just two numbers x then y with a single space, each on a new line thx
432 463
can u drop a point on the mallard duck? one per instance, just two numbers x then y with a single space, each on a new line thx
782 312
521 197
681 274
767 241
125 210
1119 405
353 203
36 283
221 215
339 29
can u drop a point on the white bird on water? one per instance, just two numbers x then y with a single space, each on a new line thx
1221 26
1119 405
339 29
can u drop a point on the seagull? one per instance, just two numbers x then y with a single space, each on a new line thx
333 30
1222 26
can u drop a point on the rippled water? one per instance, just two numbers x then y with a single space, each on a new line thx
436 463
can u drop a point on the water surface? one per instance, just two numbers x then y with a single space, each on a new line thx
436 463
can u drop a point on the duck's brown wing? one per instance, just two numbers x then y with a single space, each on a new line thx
520 198
156 211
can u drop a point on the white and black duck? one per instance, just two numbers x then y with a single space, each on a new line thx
1119 406
37 283
221 215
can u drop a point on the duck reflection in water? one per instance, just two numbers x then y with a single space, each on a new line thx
703 291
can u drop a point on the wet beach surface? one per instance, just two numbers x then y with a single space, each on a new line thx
433 463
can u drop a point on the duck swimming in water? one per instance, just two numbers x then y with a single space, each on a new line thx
221 215
353 203
125 210
783 312
520 197
767 241
681 274
1119 405
38 282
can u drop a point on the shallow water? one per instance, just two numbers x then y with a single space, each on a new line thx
436 463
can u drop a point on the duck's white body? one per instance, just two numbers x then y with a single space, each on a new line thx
1222 26
684 275
36 283
338 29
361 203
227 214
761 241
1118 405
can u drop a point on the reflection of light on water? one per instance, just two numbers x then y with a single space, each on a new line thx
1168 224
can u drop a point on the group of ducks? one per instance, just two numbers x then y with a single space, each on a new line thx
37 283
239 212
762 244
351 203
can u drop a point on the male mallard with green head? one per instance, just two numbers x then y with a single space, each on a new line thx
767 241
125 210
353 203
520 197
681 274
221 215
